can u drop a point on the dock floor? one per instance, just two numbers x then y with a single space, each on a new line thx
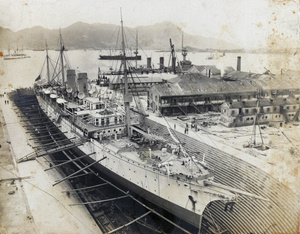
33 205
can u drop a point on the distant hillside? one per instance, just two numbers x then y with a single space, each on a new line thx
100 36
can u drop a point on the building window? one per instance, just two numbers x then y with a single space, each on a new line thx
294 107
275 108
233 112
268 109
288 107
247 111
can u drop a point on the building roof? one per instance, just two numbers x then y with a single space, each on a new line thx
262 103
137 80
240 75
197 84
213 69
287 80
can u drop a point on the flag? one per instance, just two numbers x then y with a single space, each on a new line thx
38 78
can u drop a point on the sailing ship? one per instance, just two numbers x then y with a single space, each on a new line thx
118 144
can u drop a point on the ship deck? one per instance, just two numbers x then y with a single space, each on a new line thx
155 158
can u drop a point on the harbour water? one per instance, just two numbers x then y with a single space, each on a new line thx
23 72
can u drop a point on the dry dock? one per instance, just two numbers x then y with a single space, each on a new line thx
239 170
33 205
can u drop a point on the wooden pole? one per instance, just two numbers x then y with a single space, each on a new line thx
100 201
90 187
48 135
67 177
127 224
75 159
38 147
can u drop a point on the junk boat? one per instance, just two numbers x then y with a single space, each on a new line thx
118 145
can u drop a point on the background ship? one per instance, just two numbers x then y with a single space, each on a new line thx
17 54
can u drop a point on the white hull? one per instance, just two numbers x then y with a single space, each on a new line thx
173 194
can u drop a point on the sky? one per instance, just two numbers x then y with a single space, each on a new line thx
246 23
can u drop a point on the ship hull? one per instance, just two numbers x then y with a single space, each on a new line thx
119 57
186 215
173 194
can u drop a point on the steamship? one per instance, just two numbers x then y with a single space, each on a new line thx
118 144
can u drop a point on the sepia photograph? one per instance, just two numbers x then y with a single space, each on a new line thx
141 116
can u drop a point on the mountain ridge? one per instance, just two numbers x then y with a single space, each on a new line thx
82 35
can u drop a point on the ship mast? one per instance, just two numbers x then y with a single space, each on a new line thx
61 58
127 97
184 50
47 57
136 49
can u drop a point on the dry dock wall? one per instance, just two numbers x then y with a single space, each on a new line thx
280 215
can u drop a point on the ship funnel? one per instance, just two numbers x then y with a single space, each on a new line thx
238 66
71 79
174 64
82 83
161 63
149 62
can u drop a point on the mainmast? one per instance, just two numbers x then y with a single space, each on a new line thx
173 57
184 50
127 97
47 57
136 49
62 48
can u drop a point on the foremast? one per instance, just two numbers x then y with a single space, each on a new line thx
48 69
127 97
62 48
